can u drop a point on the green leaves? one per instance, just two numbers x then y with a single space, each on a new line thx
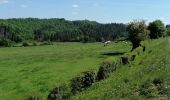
137 32
157 29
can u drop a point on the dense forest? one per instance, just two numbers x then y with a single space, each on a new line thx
59 30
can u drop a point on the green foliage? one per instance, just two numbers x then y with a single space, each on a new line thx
86 79
157 29
168 31
137 32
138 50
47 43
107 68
59 30
59 93
25 44
5 42
34 44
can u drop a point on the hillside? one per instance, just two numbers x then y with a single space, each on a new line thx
147 77
60 30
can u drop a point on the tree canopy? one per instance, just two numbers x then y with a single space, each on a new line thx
60 30
157 29
137 32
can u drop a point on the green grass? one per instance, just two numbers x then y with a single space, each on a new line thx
125 83
36 70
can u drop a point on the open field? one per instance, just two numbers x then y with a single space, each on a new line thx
26 70
136 81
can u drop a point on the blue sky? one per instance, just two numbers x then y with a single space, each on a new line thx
104 11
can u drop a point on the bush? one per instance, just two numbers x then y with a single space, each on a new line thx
34 43
5 42
157 29
59 93
76 85
25 44
107 68
86 79
137 32
47 43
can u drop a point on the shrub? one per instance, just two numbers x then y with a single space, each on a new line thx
5 42
34 43
47 43
86 79
137 32
25 44
59 93
106 68
157 29
76 85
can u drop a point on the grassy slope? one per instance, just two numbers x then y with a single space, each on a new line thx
154 63
25 70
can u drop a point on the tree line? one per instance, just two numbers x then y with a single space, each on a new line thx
59 30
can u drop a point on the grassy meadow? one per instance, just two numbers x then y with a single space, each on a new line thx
38 69
136 81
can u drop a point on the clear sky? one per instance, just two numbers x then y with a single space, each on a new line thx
104 11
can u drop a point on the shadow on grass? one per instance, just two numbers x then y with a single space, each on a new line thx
113 53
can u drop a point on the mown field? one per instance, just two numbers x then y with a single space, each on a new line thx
36 70
146 78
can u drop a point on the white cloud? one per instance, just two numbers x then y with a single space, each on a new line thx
23 6
75 6
4 1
